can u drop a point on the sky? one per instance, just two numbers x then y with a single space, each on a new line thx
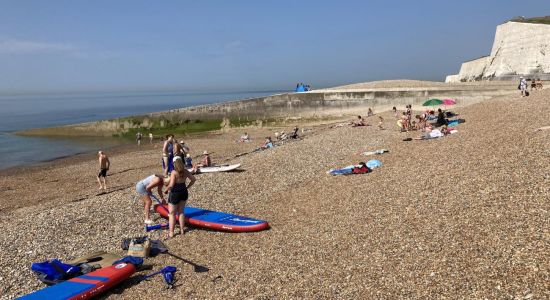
77 45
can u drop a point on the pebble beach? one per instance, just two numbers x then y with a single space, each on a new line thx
464 216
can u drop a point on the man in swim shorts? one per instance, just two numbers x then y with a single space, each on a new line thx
104 165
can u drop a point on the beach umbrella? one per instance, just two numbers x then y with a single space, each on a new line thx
432 102
449 101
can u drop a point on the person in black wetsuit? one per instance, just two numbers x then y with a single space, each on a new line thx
178 195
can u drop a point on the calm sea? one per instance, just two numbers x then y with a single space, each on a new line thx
35 111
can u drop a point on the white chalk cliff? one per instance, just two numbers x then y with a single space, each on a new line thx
519 49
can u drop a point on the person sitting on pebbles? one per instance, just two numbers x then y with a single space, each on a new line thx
145 190
206 161
245 138
360 122
268 144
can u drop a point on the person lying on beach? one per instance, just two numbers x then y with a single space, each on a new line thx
145 189
177 195
104 165
432 134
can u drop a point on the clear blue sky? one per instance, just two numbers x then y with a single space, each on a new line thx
240 45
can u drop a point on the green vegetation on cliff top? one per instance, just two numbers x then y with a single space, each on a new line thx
534 20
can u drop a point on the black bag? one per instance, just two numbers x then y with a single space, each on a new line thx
519 86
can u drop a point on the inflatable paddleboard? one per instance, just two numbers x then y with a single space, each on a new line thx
85 286
215 220
214 169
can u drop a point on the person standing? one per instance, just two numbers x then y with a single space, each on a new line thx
104 165
168 154
150 138
145 190
523 86
138 138
178 195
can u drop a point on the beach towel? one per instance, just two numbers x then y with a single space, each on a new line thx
380 151
374 163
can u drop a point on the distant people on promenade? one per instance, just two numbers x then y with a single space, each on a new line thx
104 165
168 154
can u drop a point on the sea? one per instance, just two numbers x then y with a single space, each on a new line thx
20 112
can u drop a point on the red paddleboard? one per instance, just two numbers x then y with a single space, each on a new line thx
85 286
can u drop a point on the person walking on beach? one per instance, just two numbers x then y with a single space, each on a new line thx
178 195
138 138
145 190
104 165
150 138
168 154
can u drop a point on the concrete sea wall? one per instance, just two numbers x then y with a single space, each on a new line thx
291 105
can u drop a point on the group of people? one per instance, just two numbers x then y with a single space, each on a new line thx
536 84
421 121
139 136
178 168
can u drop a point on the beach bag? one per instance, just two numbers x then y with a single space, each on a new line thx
54 271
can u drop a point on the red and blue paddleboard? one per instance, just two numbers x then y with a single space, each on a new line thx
85 286
215 220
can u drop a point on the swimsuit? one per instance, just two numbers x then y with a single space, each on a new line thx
178 193
102 173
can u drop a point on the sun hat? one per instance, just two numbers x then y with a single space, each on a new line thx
176 158
205 152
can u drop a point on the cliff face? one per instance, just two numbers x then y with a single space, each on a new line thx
519 49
